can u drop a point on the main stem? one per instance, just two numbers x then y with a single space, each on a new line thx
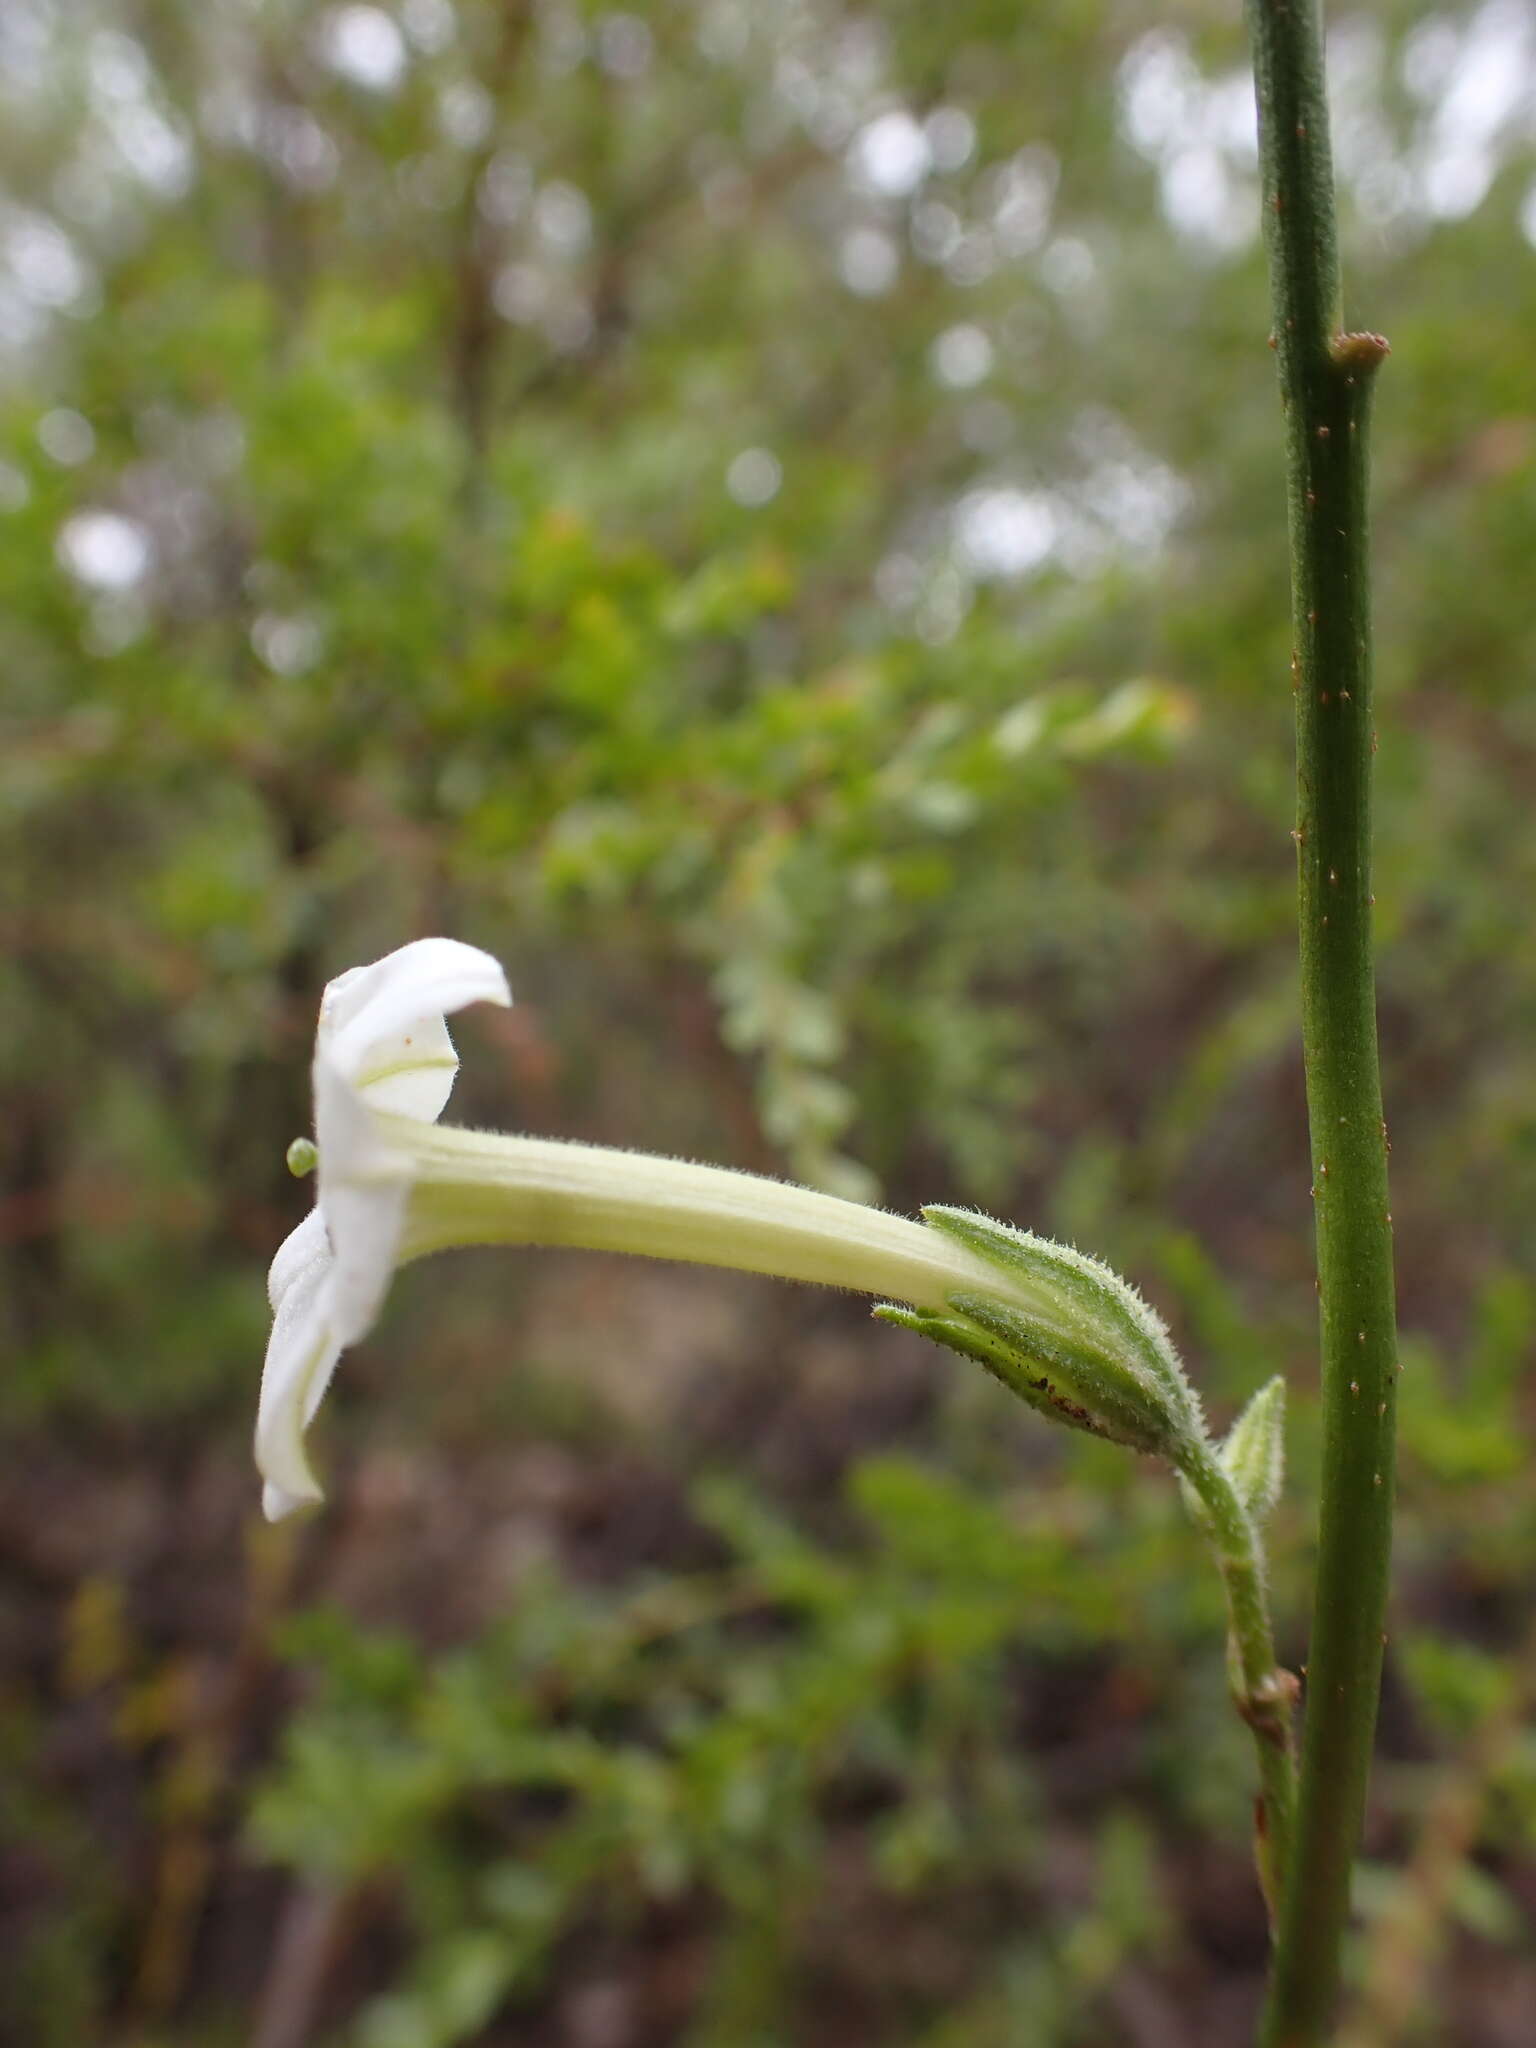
1326 380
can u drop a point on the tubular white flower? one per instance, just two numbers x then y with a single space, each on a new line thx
1067 1334
384 1068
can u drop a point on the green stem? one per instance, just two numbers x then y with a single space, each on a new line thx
1326 380
1264 1693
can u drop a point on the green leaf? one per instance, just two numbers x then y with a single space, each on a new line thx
1254 1450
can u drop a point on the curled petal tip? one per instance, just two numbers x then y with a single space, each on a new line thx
383 1029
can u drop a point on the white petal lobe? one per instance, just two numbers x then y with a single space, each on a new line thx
301 1356
300 1248
369 1016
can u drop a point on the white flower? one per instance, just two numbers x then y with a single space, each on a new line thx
394 1185
383 1062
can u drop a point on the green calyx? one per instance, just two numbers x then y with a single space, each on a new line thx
1065 1385
1094 1356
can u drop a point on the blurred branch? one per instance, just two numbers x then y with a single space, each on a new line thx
1408 1939
313 1928
214 1709
476 323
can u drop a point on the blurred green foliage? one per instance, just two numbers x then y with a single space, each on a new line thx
802 1735
768 517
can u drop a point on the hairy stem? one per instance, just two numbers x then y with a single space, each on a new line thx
1264 1694
1326 378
